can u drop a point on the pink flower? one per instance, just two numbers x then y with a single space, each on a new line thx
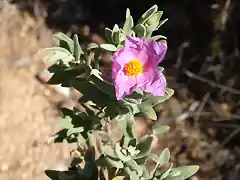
136 66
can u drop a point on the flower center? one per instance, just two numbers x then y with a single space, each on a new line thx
133 68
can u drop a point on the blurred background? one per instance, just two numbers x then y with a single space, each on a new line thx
202 66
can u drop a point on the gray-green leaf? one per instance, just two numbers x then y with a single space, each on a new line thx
116 34
109 47
145 147
154 100
77 48
108 35
187 171
140 30
128 25
160 129
147 111
148 14
92 46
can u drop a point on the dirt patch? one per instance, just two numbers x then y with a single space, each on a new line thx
25 109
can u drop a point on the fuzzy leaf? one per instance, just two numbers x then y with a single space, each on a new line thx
128 25
157 37
55 49
106 161
154 100
65 122
140 30
125 123
154 19
187 171
108 47
145 147
116 34
103 85
135 167
166 173
161 23
77 48
92 46
91 93
148 14
147 111
162 159
64 41
108 35
119 154
160 129
118 178
75 130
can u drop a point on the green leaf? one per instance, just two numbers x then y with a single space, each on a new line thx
147 111
148 14
108 47
174 178
155 38
162 159
92 46
150 30
128 25
64 77
135 167
65 122
120 155
68 175
109 151
103 85
161 23
64 41
160 129
125 107
108 35
77 48
154 100
145 147
61 56
166 173
106 161
55 49
116 34
91 93
154 19
52 174
140 30
161 69
125 123
75 130
136 97
187 171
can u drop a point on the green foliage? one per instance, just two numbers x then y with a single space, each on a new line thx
127 157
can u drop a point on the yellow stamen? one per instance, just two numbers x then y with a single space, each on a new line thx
133 68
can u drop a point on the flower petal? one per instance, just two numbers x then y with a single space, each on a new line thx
124 85
155 84
157 48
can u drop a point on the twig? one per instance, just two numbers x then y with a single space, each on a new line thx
227 139
211 83
201 106
180 54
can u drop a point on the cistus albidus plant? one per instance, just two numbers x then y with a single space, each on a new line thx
136 85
